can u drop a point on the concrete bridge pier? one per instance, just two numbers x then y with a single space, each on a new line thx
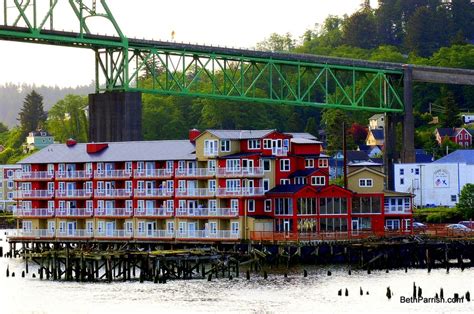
408 150
115 117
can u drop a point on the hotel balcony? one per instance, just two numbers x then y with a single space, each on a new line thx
207 212
32 234
112 193
112 174
75 234
34 194
73 175
33 212
113 212
195 173
195 193
397 210
154 234
153 193
239 172
153 212
236 192
207 235
74 212
153 174
74 194
113 234
34 176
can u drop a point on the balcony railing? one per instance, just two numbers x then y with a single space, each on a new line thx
240 192
73 175
32 234
197 192
153 173
74 194
75 233
207 234
74 212
112 193
113 212
112 174
34 194
153 212
195 172
33 175
34 212
211 152
279 151
206 212
152 193
113 233
154 234
398 210
240 172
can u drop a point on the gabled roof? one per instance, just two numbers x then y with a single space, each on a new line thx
366 169
369 163
239 134
377 133
377 116
445 132
287 188
355 155
304 172
115 152
461 156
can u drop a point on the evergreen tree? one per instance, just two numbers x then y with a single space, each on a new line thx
311 126
333 120
450 117
32 115
294 123
466 201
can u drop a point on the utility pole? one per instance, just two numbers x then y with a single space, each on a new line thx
344 150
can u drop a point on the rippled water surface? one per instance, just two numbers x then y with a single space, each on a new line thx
316 293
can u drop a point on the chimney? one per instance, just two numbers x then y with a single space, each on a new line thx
193 134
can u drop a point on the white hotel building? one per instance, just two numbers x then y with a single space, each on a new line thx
438 183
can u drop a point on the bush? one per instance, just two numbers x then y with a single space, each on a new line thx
438 215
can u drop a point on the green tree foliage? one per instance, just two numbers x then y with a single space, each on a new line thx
67 119
466 201
32 114
3 128
333 120
312 126
360 29
277 42
359 133
450 117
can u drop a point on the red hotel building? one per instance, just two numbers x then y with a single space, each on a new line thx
219 185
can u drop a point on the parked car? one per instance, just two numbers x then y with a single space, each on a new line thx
458 229
467 223
420 227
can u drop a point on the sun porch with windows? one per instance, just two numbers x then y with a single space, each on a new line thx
208 229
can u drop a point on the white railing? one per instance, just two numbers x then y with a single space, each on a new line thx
34 175
75 233
27 194
210 153
74 212
206 212
207 234
240 191
73 175
112 174
153 193
197 192
74 194
112 193
153 212
195 172
392 210
34 212
240 172
153 173
113 233
151 234
34 233
113 212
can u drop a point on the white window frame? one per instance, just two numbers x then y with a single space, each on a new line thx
285 165
254 144
266 185
309 163
318 180
285 181
211 147
251 206
225 146
267 206
269 162
323 163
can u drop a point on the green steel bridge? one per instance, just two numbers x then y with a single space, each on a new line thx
126 65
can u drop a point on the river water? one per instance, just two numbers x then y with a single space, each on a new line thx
316 293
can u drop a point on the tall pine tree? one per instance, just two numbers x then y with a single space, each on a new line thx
32 114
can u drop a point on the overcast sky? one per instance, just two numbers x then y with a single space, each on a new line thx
240 23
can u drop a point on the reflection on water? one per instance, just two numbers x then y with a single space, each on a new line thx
316 293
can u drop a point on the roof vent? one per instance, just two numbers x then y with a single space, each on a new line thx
71 142
93 148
